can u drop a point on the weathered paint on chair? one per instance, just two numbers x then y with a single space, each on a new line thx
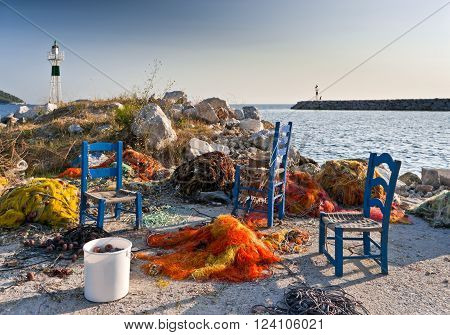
371 182
87 173
275 190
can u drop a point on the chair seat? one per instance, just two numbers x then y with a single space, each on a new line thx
351 222
112 197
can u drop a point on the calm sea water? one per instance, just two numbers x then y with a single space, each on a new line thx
418 139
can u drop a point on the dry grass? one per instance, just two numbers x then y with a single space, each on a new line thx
48 147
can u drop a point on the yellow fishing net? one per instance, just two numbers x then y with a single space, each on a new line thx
344 181
48 201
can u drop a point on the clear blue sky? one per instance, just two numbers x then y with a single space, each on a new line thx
246 51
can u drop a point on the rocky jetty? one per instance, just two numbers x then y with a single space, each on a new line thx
392 105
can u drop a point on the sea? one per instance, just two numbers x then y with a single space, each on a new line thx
418 139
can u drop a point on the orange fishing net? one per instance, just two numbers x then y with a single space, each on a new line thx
344 181
224 250
304 196
70 173
144 166
397 214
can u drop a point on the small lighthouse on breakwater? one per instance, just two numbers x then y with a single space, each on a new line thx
55 57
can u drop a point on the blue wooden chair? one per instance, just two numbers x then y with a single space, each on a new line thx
361 222
102 198
276 169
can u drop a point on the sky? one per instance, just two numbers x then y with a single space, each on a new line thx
245 51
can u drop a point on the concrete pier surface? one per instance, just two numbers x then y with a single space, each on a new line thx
394 104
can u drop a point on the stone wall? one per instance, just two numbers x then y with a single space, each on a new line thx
397 104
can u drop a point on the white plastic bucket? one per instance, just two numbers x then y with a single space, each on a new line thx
107 275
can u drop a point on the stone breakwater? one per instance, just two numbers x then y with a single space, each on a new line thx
396 104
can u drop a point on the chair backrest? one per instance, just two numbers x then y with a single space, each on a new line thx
389 187
86 172
280 146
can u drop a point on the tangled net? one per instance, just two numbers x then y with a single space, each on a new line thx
212 171
344 181
48 201
304 196
224 250
300 299
287 241
144 167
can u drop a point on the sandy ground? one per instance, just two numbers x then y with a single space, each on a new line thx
417 283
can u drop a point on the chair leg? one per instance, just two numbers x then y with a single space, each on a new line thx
101 213
117 211
83 208
270 206
339 252
322 236
236 190
138 210
366 243
384 254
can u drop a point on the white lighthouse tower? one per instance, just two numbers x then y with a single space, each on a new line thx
55 57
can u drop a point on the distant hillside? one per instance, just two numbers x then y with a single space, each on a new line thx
6 98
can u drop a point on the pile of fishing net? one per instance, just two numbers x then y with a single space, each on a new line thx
436 210
398 215
48 201
287 241
344 181
224 250
304 196
209 172
144 167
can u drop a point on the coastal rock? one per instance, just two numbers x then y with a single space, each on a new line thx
444 176
49 107
424 188
239 114
262 140
215 197
175 111
197 147
220 107
153 125
410 178
251 112
75 129
251 125
175 97
221 148
204 111
431 177
26 113
104 128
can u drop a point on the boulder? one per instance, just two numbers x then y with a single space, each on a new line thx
175 97
49 107
203 111
197 147
104 128
444 176
251 112
262 140
153 125
239 114
220 107
251 125
214 197
175 111
26 113
410 178
221 148
75 129
431 177
423 188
